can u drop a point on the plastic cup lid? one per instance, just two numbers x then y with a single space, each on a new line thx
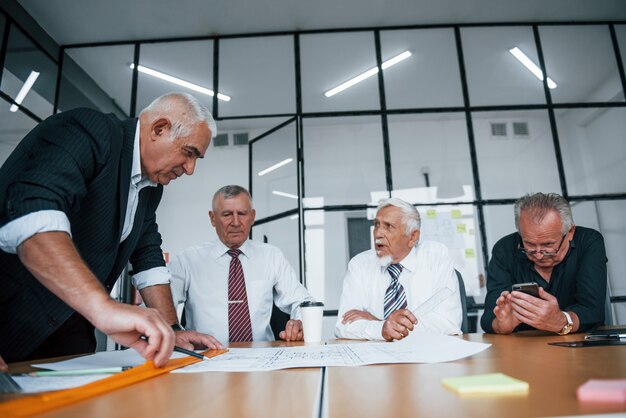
309 303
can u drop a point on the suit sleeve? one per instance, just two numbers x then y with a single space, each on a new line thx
499 279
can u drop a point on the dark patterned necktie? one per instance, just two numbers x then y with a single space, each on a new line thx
239 325
395 298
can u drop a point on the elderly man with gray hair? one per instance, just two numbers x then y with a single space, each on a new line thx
568 264
384 285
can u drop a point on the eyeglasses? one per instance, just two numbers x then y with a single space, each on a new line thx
545 253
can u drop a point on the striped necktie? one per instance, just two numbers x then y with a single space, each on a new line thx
395 298
239 325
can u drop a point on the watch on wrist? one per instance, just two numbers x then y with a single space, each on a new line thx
177 327
568 326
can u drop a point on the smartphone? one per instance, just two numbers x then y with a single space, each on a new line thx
528 288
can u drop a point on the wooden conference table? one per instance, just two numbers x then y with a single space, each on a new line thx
396 390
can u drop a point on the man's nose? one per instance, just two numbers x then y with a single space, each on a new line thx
190 166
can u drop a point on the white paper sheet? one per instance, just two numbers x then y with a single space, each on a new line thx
419 347
101 359
30 384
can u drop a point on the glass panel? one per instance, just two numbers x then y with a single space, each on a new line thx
258 73
98 78
25 61
343 161
594 150
328 247
456 226
581 61
15 126
190 62
494 75
607 217
328 61
508 144
281 233
183 212
430 150
429 77
499 222
274 172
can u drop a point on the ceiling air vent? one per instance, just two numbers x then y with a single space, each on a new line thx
498 130
520 130
221 140
240 139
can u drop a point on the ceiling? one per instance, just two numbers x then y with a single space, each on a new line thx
111 20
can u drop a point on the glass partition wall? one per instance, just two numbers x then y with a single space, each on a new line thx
458 120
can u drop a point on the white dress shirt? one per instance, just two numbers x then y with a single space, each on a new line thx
200 280
426 269
19 230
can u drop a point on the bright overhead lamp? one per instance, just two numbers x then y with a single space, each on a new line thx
28 84
283 194
275 166
531 66
367 74
180 82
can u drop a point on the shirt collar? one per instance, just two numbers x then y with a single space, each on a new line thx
409 262
222 249
135 175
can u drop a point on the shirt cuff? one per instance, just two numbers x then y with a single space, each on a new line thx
151 277
374 330
24 227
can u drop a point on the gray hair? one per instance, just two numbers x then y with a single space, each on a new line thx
538 205
410 215
192 111
229 192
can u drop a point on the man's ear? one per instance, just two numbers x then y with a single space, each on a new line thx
212 216
253 212
161 127
415 237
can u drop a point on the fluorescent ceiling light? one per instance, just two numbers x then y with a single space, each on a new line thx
367 74
283 194
275 166
28 84
531 66
180 82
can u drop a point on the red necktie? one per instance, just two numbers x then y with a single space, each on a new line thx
239 326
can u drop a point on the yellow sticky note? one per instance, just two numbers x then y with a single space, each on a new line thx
456 213
460 228
493 383
431 213
469 253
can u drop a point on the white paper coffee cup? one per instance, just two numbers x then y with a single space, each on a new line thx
312 318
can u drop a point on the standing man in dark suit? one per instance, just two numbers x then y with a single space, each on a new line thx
78 198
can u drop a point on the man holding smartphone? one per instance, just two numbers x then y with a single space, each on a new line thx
549 254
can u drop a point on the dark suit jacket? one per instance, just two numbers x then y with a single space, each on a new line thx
78 162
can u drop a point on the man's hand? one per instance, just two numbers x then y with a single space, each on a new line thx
505 320
355 315
293 331
542 313
3 365
192 340
398 325
126 324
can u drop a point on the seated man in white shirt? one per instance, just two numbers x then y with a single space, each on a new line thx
207 278
383 285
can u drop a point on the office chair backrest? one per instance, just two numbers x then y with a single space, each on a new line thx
608 312
464 324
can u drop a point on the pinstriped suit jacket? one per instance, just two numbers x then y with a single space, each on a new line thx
78 162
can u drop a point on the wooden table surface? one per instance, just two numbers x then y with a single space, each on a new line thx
554 374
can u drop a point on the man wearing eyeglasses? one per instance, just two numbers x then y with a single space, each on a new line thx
567 262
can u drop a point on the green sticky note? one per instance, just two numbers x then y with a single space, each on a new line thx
456 213
493 383
460 228
431 213
469 253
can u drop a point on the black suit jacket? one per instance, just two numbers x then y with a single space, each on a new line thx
78 162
